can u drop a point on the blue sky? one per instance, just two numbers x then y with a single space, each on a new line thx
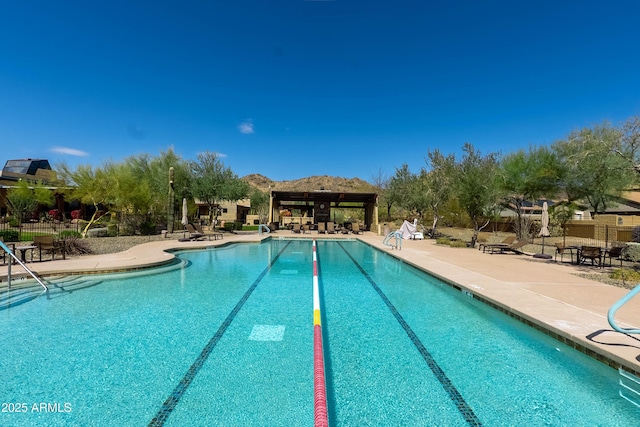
290 89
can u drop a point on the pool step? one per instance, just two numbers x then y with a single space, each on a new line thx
629 387
23 291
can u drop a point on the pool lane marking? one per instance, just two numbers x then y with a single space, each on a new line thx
320 416
170 404
463 407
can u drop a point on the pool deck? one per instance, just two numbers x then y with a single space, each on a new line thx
547 295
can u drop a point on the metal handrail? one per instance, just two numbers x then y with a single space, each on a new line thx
266 228
12 255
615 307
398 236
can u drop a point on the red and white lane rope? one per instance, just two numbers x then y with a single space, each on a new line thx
319 386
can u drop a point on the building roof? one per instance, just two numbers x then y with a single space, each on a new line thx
322 196
29 169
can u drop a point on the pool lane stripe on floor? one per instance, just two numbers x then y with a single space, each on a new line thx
463 407
172 401
320 415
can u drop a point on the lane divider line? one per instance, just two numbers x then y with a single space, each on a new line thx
320 416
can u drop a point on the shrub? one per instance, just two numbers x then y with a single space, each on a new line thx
443 241
458 244
632 252
66 234
76 246
76 214
625 274
10 235
13 221
148 228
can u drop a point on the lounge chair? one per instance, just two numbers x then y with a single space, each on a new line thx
514 247
321 228
505 242
49 244
331 228
590 253
193 233
215 236
296 228
613 252
561 250
355 228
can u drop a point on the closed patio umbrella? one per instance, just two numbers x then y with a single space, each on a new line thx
544 230
185 212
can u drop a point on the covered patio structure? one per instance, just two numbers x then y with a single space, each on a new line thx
316 206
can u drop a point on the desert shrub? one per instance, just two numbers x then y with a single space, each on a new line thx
148 228
74 245
625 274
112 229
443 241
458 244
10 235
13 221
66 234
77 214
632 252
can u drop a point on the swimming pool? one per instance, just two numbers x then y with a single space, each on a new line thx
227 339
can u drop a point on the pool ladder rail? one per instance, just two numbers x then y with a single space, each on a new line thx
19 261
397 243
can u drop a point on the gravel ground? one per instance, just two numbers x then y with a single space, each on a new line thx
110 245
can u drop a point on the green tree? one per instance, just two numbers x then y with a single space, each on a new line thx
260 204
409 190
213 182
526 176
89 185
439 183
25 197
381 183
594 170
476 186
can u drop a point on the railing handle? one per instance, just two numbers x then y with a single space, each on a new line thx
615 307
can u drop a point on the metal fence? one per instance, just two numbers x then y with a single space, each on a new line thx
40 228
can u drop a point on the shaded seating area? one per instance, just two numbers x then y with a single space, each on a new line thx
48 244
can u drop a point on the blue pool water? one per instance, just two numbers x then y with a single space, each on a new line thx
227 339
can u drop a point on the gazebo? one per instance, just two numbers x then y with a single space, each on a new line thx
316 206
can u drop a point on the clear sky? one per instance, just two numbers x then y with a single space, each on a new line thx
293 88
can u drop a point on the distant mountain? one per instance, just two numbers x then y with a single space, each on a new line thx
330 183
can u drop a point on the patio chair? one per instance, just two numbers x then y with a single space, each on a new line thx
49 244
506 242
562 249
3 253
193 233
296 228
616 252
321 228
514 247
215 236
355 228
331 228
591 253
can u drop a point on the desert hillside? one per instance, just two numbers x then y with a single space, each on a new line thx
331 183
